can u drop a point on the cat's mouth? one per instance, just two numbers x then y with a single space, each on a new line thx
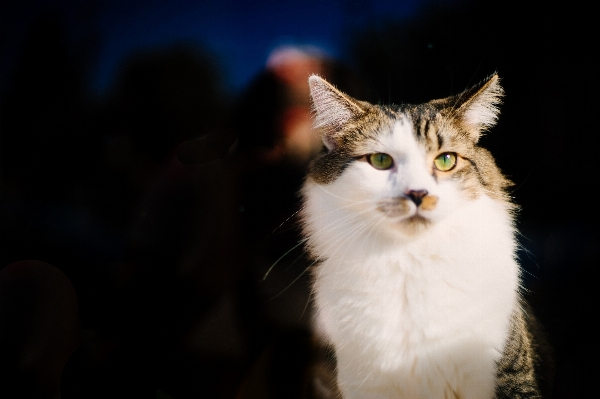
404 214
404 208
416 218
413 225
394 207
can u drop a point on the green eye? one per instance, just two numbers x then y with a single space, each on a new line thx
445 161
380 160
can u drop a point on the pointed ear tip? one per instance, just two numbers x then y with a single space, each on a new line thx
314 78
494 82
313 82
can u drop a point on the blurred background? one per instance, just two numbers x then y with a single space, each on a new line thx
151 153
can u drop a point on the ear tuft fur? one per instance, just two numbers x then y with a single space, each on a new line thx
332 109
479 109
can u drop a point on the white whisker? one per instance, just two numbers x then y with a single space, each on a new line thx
292 283
283 256
293 214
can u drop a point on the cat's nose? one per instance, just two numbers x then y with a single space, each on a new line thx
417 196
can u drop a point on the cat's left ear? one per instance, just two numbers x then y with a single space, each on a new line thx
476 109
333 110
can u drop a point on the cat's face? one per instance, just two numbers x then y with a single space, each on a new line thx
398 180
404 167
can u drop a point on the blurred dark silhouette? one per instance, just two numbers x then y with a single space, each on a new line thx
261 151
167 257
39 329
40 113
77 180
166 203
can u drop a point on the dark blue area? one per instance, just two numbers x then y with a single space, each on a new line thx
240 34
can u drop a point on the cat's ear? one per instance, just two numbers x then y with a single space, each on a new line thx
332 109
477 107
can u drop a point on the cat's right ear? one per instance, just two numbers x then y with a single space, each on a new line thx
332 109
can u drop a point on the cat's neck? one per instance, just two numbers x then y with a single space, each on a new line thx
454 287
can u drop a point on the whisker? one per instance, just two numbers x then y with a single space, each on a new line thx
350 206
285 221
357 230
294 261
343 219
338 197
283 256
290 284
301 242
346 217
522 183
342 239
305 307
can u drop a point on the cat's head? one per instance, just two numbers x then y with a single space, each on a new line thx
408 165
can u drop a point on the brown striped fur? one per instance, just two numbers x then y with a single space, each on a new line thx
526 368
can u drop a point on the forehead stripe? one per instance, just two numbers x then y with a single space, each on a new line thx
425 128
440 139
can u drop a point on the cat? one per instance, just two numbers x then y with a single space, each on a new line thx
416 283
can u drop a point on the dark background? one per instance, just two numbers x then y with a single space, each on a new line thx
152 246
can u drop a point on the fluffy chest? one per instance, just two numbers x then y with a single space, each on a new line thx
404 300
422 314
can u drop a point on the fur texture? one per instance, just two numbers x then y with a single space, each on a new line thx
416 284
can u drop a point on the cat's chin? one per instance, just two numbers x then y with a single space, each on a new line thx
413 225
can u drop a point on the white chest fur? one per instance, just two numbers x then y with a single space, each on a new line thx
420 317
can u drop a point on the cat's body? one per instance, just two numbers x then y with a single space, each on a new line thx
416 286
